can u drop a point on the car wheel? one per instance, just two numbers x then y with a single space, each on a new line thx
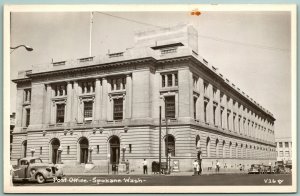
40 178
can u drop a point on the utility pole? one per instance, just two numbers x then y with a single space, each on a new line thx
159 140
167 144
91 29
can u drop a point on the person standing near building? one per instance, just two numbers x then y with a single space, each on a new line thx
217 166
199 157
195 166
127 166
145 166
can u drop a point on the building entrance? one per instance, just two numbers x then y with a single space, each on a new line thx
114 143
54 147
84 145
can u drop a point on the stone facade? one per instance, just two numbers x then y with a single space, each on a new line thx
93 109
284 149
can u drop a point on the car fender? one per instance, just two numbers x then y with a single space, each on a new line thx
43 172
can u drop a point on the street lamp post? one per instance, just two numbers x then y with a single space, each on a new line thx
28 48
167 144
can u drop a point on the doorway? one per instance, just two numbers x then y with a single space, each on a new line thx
54 150
114 143
84 145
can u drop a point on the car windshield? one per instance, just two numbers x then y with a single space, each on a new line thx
35 161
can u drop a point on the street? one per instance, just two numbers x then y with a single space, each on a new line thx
171 180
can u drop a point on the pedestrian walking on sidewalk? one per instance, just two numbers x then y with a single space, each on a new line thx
127 166
195 165
199 157
217 166
145 166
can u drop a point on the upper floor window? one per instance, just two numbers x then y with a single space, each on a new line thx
195 79
170 106
118 84
27 95
118 109
169 80
206 89
60 90
87 87
280 144
195 107
27 117
286 144
221 97
214 93
60 113
88 110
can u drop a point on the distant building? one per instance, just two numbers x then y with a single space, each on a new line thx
284 149
12 126
103 106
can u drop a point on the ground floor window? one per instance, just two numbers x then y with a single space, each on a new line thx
170 145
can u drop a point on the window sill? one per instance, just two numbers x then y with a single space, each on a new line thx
114 121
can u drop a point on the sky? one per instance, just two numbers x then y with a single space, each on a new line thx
251 49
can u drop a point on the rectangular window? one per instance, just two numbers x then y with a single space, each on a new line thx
228 114
68 150
60 113
88 109
221 117
205 111
176 79
163 82
27 117
169 76
170 106
214 114
98 149
41 150
280 144
27 95
286 144
280 153
287 153
195 107
118 109
234 116
206 88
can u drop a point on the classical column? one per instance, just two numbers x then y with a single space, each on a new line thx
48 104
97 100
218 109
104 99
128 96
69 101
201 99
166 79
173 79
75 102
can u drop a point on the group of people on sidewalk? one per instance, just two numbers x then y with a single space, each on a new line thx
197 164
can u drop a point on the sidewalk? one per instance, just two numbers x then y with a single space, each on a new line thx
93 172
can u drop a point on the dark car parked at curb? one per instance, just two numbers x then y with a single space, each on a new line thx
33 169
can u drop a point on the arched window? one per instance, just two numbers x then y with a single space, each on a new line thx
24 148
197 142
236 150
83 147
114 144
54 145
230 149
223 149
170 145
217 147
208 147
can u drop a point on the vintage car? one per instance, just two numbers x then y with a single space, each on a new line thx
255 169
33 169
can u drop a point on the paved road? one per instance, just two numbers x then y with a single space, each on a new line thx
155 180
